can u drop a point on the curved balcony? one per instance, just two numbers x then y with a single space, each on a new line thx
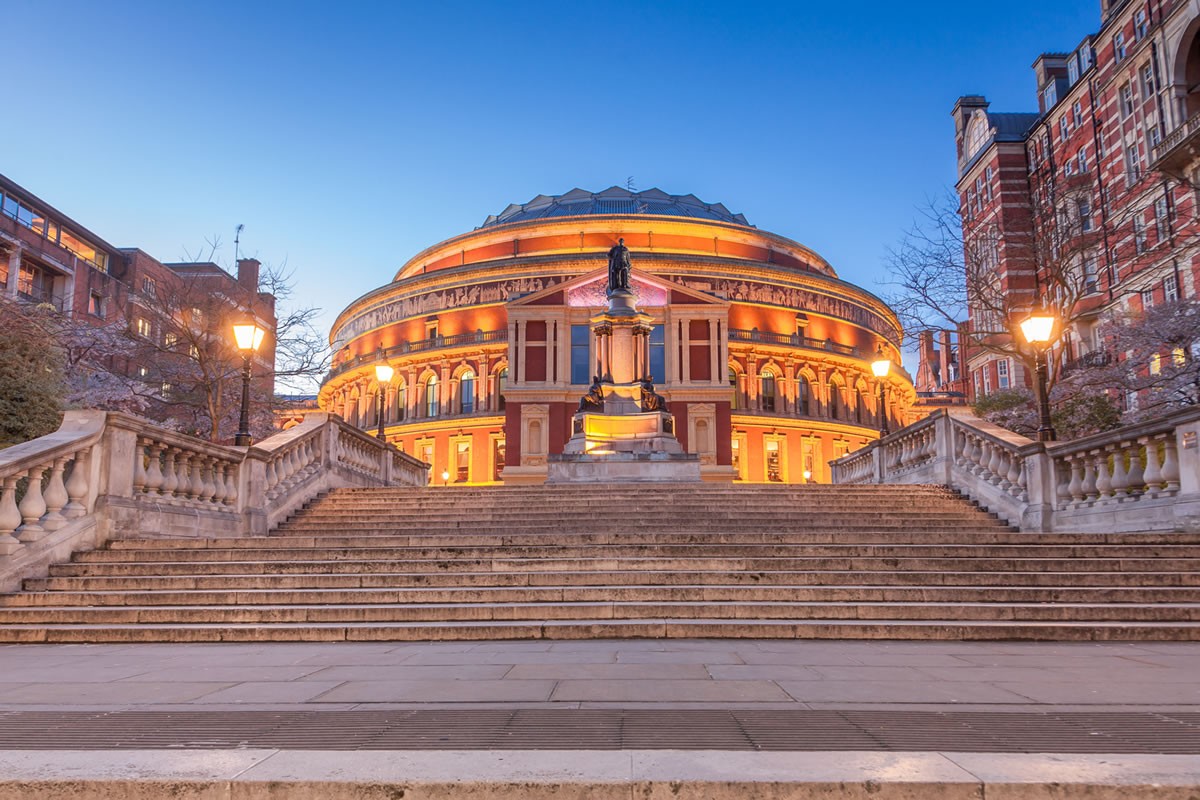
419 346
807 343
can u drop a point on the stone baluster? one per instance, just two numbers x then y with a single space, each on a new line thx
994 464
77 485
154 473
10 516
56 496
1135 479
170 485
183 469
218 481
231 485
1153 473
272 476
32 507
208 487
1062 486
139 464
1103 476
1015 472
1120 475
1170 466
1075 487
960 446
196 485
1089 477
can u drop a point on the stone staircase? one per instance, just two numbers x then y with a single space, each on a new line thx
474 563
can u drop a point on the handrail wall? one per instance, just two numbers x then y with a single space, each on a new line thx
1143 477
105 475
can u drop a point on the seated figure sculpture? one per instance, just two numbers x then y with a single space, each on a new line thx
594 399
651 400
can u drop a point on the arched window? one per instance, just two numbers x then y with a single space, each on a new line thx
835 398
767 392
733 385
401 403
859 406
803 392
466 393
501 385
431 396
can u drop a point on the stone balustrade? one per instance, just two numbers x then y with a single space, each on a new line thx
106 475
1136 478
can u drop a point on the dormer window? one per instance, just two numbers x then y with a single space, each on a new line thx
977 133
1072 70
1050 95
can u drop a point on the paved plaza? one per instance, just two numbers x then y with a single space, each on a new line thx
601 719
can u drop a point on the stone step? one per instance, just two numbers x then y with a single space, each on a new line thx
609 629
464 612
623 563
641 593
468 539
593 551
401 580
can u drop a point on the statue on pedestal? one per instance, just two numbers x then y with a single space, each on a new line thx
594 399
618 267
651 400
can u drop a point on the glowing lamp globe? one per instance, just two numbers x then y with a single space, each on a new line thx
881 367
1038 327
384 373
248 335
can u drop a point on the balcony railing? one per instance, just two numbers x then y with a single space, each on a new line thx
1096 358
421 345
1178 148
792 340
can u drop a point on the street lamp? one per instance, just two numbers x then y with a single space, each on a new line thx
445 477
383 374
248 336
881 366
1038 328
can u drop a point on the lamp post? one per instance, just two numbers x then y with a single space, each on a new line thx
881 366
383 375
1038 329
445 477
248 336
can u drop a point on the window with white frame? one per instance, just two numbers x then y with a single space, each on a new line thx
1085 215
1133 162
1125 99
1077 113
1161 218
1170 288
1147 296
1002 373
987 182
1139 234
1083 159
1147 74
1140 25
1119 48
1072 70
1090 275
1085 57
1153 137
1064 127
1050 95
987 380
977 380
141 326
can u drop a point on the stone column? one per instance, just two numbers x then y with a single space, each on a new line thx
519 342
685 350
714 352
14 272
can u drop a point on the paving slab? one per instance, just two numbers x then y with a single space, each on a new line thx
608 691
439 691
905 692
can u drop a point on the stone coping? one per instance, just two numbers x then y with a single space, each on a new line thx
567 775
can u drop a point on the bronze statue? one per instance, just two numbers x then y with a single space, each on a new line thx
594 399
651 400
618 267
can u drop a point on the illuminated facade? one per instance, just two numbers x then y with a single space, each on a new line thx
762 353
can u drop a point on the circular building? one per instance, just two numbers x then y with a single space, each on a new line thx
762 353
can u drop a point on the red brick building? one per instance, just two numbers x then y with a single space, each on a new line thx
1088 204
48 257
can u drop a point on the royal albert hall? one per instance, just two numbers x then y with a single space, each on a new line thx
763 355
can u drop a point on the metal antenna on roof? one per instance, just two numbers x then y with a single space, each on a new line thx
237 237
629 184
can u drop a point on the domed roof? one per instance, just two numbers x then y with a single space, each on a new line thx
614 200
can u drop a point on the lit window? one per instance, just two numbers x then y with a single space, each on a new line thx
466 392
193 352
431 396
165 390
1155 364
95 305
774 461
142 327
1179 357
170 340
767 393
462 462
143 373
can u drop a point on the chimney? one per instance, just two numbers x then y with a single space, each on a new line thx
248 273
944 361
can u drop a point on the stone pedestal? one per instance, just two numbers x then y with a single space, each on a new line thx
621 442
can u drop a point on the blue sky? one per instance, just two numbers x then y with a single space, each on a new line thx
349 136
